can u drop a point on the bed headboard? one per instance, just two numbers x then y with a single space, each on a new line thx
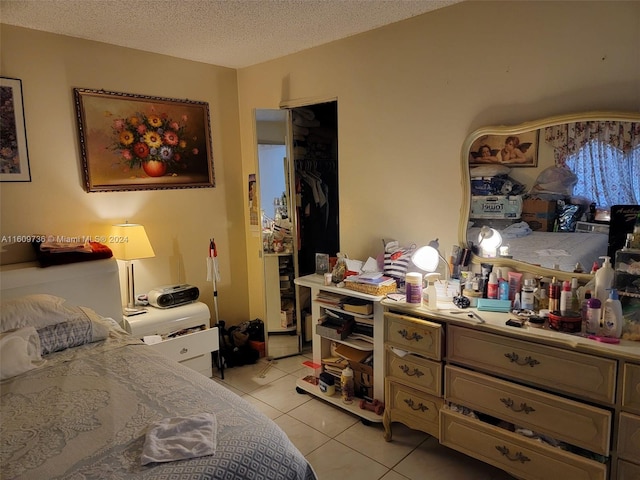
94 284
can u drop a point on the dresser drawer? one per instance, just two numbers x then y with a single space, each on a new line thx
564 371
415 371
628 471
414 334
629 437
190 346
521 457
631 388
412 407
566 420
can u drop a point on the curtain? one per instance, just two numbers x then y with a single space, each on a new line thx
567 139
605 156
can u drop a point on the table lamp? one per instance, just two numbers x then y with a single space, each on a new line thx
428 258
130 242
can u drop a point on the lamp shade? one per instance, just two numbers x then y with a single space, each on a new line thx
489 241
426 258
129 241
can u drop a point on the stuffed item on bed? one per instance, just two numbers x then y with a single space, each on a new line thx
19 352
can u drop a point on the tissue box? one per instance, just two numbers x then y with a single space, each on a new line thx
493 305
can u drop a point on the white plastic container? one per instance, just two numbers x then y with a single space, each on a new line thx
413 287
604 280
431 292
612 316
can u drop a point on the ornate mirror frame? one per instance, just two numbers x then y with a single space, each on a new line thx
519 130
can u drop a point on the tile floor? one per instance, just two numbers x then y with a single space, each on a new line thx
336 443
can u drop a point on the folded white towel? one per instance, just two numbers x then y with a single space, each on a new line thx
179 438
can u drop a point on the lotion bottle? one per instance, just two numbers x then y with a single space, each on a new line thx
612 316
604 279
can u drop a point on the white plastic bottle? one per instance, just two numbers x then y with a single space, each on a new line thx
431 292
604 280
346 385
612 316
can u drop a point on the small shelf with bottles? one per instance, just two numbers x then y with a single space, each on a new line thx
627 264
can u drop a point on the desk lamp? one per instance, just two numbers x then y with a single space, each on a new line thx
489 241
428 258
130 242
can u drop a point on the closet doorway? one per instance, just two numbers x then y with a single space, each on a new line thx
298 195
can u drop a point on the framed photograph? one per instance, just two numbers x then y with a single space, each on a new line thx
519 150
13 133
138 142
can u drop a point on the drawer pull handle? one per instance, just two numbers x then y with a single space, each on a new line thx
514 357
414 336
523 406
416 372
184 350
413 406
518 457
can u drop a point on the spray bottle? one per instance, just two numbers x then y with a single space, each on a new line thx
604 280
432 294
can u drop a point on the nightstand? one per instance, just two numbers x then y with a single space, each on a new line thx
185 333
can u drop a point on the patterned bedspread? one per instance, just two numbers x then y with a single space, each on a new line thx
84 415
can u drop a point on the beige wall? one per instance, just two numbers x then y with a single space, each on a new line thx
179 222
408 95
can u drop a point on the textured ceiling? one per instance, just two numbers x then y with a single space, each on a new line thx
230 33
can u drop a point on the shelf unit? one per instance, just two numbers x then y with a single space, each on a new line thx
322 346
279 290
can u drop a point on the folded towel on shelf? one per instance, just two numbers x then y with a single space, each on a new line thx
179 438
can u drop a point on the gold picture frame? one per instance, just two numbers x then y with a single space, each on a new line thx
140 142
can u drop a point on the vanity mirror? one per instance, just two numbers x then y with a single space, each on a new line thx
528 182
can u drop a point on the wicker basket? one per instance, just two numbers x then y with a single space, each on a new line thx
376 290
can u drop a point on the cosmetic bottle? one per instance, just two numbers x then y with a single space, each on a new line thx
604 279
527 296
583 311
565 298
575 301
554 296
612 316
492 286
503 289
542 299
594 311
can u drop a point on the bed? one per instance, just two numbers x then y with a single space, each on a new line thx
548 249
99 409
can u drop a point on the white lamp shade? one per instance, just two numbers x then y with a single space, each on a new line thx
426 258
129 241
489 241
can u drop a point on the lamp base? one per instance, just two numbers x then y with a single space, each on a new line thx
131 311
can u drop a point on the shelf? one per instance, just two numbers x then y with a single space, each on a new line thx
340 310
337 400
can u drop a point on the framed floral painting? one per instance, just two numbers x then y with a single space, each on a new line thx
138 142
14 157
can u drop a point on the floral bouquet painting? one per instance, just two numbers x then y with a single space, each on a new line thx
133 142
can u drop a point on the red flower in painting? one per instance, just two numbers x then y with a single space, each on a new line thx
141 150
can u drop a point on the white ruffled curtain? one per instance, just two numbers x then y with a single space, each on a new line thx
605 156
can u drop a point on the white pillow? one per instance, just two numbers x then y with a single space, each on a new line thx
38 310
19 352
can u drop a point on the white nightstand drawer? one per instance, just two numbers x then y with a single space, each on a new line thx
187 347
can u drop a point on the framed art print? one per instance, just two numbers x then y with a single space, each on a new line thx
14 156
513 150
139 142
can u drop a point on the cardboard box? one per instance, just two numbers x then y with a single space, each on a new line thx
363 380
539 214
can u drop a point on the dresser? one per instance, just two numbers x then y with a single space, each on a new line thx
181 333
534 402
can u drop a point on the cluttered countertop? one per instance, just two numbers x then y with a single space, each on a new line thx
496 322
